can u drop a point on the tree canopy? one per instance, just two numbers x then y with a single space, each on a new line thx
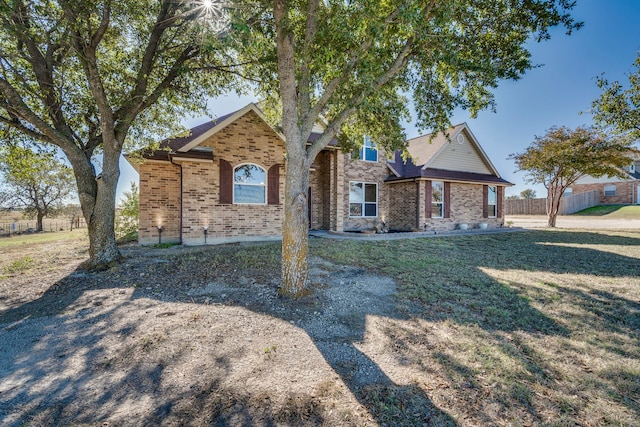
361 67
563 155
89 76
528 194
36 182
618 108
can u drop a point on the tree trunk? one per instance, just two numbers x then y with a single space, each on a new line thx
553 207
39 218
97 196
295 227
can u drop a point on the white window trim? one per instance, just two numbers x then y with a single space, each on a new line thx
266 177
440 203
611 187
493 214
363 199
362 152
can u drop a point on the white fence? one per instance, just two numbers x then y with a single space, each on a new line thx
568 205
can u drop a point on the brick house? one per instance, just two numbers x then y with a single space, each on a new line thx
224 182
612 191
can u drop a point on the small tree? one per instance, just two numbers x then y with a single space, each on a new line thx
512 197
528 194
617 108
562 156
127 213
36 182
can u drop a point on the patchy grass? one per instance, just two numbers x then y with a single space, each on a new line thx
530 328
40 238
525 328
612 211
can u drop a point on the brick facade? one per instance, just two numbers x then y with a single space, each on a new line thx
159 202
184 194
356 170
248 139
626 192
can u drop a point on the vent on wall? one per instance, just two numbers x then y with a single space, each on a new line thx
460 139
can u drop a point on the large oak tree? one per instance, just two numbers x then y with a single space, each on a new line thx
562 156
88 76
354 64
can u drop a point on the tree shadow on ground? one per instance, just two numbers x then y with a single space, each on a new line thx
335 319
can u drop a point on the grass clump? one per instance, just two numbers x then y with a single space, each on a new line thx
20 265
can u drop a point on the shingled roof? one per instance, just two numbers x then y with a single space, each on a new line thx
425 149
187 146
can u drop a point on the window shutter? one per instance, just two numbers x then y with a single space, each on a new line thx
226 183
427 199
500 196
447 200
273 185
485 201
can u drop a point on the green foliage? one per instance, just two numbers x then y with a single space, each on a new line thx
95 76
35 181
618 108
528 194
563 155
20 265
127 213
355 64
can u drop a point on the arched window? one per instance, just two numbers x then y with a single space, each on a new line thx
249 184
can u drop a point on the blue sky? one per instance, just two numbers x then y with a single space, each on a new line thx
553 94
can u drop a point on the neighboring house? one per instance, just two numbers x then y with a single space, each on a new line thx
225 182
612 191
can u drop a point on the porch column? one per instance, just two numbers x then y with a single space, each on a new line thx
337 186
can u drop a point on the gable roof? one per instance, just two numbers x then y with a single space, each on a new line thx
408 170
187 146
425 151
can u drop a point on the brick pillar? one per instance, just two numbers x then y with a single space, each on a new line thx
339 191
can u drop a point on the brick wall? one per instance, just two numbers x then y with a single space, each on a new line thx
363 171
624 192
248 139
466 207
403 206
159 202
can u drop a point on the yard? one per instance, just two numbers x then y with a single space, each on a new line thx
529 328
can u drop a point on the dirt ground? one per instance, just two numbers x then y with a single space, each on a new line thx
157 341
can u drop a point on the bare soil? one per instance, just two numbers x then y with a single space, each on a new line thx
164 340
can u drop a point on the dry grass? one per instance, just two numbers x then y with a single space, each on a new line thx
537 328
531 328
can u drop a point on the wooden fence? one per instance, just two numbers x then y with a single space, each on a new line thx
568 205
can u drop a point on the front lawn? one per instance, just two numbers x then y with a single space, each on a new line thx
612 211
526 328
536 328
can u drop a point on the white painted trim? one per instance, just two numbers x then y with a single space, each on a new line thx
475 144
266 185
189 159
395 172
364 202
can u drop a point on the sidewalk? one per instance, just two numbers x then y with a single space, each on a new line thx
572 221
407 235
